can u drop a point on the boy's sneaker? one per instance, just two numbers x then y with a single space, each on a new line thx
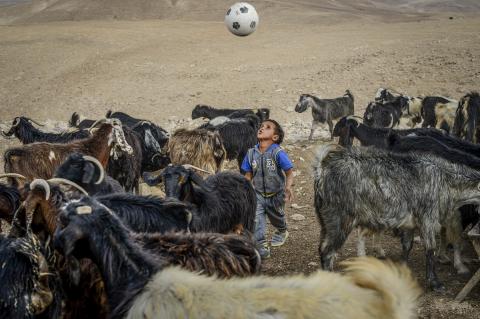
264 251
279 238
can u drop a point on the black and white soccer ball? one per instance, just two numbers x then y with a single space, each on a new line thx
241 19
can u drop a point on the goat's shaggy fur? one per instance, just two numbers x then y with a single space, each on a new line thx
24 130
200 147
390 191
209 112
468 117
238 135
438 112
86 174
9 202
139 285
39 160
326 110
222 203
207 253
29 288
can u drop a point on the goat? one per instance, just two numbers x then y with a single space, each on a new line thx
200 147
87 172
438 112
224 202
139 284
39 160
29 288
238 135
9 200
467 118
348 128
23 129
126 165
326 110
382 114
209 112
393 191
468 213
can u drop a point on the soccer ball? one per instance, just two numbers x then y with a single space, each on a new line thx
241 19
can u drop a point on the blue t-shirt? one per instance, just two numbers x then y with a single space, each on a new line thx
282 159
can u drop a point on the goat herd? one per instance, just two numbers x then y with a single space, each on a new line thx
81 242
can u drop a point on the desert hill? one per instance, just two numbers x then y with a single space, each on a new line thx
310 11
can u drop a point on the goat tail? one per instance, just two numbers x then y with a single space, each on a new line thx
393 282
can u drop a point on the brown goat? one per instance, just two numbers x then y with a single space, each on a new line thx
208 253
39 160
198 147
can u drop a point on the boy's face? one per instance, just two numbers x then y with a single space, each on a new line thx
267 132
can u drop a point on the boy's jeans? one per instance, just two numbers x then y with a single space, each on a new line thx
274 208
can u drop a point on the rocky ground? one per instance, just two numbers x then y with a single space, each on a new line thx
158 69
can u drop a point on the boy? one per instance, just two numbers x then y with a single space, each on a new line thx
268 167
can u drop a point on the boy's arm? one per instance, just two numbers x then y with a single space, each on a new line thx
288 185
248 176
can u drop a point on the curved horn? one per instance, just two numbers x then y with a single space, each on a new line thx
12 175
354 116
7 136
140 123
43 184
35 122
188 166
95 124
100 167
68 182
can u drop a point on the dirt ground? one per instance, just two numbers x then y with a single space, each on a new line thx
159 69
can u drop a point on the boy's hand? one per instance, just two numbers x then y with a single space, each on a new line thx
288 194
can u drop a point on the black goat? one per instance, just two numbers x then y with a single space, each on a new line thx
349 128
23 129
126 168
209 112
89 221
238 135
382 114
87 172
224 202
326 110
9 202
467 118
29 288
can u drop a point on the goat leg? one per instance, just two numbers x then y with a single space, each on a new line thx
432 278
407 243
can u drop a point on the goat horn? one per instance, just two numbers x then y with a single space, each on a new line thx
12 175
15 220
68 182
100 167
140 123
7 136
188 166
43 184
351 116
35 122
95 124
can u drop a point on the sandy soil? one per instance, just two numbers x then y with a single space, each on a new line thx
159 69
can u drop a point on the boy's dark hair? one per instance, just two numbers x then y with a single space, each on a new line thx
278 130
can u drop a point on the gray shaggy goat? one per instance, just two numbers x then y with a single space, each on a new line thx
326 110
139 285
388 191
201 110
200 147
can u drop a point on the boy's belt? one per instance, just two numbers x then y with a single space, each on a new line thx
268 194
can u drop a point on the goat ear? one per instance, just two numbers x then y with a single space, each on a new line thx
392 139
88 173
